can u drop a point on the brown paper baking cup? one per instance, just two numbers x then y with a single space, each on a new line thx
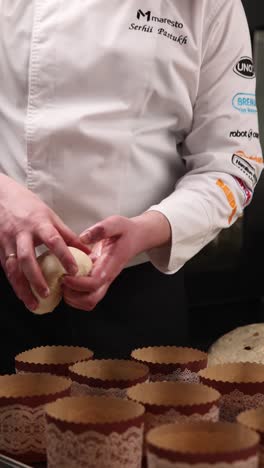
171 402
51 359
240 384
172 362
22 419
106 377
91 431
254 419
203 445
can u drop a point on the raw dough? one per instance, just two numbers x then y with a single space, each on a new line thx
53 271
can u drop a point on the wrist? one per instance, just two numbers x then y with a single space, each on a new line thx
152 230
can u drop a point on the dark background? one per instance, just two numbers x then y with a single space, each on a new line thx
225 282
255 12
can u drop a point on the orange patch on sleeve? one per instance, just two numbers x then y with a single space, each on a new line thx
230 198
257 159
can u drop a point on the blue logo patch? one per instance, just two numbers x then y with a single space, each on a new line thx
245 103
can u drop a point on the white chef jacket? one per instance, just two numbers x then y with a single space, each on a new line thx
120 106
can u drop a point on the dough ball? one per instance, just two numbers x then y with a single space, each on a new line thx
244 344
53 271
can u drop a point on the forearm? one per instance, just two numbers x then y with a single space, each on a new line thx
152 230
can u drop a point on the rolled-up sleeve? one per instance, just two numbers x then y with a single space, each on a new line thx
222 152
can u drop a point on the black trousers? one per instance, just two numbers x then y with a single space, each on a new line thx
143 307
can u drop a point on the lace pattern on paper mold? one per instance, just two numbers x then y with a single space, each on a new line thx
78 389
156 462
235 402
184 375
22 429
173 416
92 449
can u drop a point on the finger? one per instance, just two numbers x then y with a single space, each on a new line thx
77 305
73 300
84 284
110 227
2 259
111 262
20 284
105 269
97 249
5 251
85 302
70 237
93 257
56 244
72 303
98 271
10 266
29 265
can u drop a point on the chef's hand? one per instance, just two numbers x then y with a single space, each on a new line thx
120 239
26 222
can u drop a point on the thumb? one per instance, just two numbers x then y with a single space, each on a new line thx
110 227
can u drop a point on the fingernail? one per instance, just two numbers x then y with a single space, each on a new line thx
46 292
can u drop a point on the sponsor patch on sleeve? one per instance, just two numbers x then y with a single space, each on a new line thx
257 159
230 198
244 166
249 134
245 68
245 189
245 103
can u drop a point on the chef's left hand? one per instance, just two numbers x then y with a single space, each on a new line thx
121 239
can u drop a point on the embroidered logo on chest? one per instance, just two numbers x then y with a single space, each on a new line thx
148 23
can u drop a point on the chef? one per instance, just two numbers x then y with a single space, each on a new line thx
131 126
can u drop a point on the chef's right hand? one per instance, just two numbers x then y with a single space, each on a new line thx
25 223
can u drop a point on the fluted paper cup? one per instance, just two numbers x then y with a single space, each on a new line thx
171 362
240 384
202 445
171 402
51 359
22 419
94 432
110 377
254 419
